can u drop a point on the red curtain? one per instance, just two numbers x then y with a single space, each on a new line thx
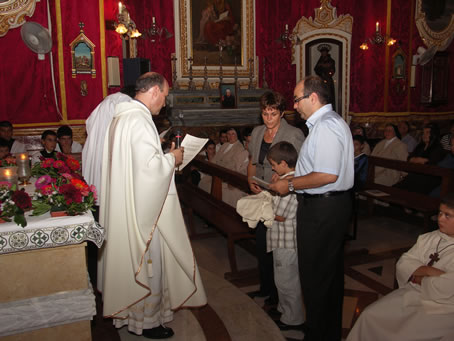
26 93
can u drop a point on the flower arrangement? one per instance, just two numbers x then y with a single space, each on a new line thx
8 161
13 203
61 187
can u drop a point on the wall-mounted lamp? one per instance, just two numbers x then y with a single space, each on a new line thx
286 37
378 39
125 26
155 33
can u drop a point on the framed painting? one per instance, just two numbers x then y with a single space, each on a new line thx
212 32
228 95
82 55
324 59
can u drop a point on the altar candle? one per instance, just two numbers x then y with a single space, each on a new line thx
286 27
154 20
377 26
119 7
23 156
8 174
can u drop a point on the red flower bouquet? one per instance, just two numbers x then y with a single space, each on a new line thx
13 203
61 187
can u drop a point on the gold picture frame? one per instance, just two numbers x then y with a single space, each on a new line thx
82 55
13 12
187 45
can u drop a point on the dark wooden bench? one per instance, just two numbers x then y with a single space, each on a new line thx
425 204
211 208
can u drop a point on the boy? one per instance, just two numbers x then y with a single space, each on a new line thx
4 149
361 161
281 240
423 306
66 145
49 142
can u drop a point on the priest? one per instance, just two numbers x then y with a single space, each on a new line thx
147 267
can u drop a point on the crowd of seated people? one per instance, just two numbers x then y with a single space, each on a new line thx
431 149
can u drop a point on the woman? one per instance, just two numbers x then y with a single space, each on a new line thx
391 147
429 151
233 156
275 129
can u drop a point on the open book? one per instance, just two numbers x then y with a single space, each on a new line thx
192 146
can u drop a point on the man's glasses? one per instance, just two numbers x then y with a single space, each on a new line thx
296 100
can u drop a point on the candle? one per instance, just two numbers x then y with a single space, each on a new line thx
154 20
286 27
377 27
119 7
9 174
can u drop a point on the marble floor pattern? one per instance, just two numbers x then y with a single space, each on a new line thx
232 315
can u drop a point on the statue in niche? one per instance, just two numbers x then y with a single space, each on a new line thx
325 68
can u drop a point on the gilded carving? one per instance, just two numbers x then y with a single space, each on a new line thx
431 37
13 12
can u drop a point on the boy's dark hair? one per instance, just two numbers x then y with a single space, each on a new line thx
6 124
359 138
209 142
4 143
46 133
283 151
64 131
448 200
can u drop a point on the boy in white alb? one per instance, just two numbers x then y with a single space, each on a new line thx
281 240
423 306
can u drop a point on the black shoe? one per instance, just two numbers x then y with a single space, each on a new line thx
271 301
274 314
257 293
160 332
283 326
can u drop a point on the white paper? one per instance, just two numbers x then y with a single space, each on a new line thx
164 132
192 146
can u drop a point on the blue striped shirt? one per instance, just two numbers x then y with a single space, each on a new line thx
327 149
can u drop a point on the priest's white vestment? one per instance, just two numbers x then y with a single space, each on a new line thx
141 212
414 312
96 126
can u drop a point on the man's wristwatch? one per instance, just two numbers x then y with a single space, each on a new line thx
290 186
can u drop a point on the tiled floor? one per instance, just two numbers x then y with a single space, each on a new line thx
369 273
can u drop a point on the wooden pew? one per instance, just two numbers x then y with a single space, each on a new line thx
211 207
425 204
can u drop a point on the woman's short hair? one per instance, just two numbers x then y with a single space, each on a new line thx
273 100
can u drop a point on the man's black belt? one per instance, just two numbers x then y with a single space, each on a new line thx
321 195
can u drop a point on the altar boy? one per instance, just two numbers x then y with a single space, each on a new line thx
423 306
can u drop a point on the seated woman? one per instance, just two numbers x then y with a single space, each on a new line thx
233 156
389 148
208 153
429 152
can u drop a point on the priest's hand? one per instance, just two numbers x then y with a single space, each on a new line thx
178 153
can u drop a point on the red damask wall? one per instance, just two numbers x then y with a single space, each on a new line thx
26 95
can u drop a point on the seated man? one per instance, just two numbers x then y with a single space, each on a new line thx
49 142
66 145
423 306
6 132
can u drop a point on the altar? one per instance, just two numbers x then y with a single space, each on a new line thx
45 292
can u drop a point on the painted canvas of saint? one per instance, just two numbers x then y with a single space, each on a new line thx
216 26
